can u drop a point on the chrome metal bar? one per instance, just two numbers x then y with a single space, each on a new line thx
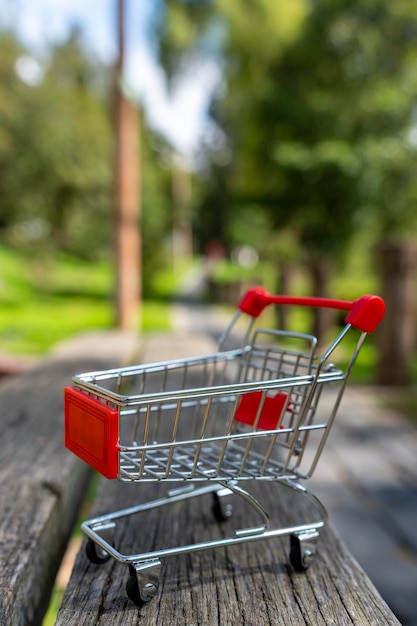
203 427
255 504
89 526
173 437
336 404
228 437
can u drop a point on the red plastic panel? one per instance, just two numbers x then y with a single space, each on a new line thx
248 408
92 431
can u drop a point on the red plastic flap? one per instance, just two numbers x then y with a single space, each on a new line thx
92 431
248 408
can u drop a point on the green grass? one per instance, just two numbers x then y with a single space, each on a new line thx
54 605
44 301
227 271
33 327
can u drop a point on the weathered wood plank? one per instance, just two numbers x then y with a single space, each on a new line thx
41 485
367 475
245 584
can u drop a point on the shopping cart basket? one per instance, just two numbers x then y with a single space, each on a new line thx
215 423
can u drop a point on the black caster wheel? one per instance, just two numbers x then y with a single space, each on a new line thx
221 509
132 590
140 595
302 551
95 554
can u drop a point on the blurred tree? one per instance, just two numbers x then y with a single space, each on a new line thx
56 146
360 98
318 126
156 219
11 93
55 173
127 186
220 30
337 117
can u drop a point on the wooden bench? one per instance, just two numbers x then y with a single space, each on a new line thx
246 584
42 486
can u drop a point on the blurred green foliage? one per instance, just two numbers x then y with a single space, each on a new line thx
55 152
315 139
56 157
315 114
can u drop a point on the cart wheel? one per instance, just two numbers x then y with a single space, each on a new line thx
132 590
302 551
95 554
142 590
221 509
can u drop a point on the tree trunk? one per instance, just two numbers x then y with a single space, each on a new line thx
397 263
322 318
182 234
128 244
283 288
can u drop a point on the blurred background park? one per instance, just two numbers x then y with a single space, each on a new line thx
264 141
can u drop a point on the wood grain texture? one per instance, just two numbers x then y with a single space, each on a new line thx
367 475
41 484
247 584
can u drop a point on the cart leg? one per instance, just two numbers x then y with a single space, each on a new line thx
143 581
96 553
303 547
222 507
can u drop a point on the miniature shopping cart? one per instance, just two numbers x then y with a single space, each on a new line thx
216 423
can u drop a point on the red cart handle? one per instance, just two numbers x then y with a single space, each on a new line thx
365 313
